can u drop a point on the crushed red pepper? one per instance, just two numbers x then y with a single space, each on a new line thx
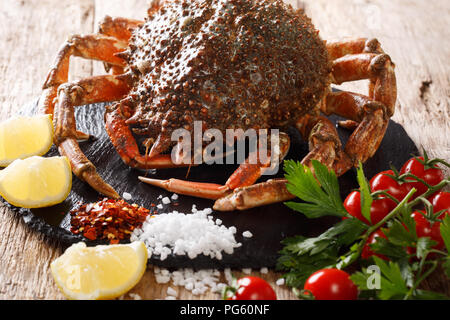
108 219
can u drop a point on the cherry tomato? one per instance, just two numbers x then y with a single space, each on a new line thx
367 252
253 288
425 229
379 209
382 181
331 284
441 201
431 176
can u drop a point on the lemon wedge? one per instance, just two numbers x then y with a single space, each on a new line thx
101 272
23 137
36 182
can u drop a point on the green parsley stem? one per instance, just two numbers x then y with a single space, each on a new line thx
351 257
391 214
423 276
384 193
355 255
429 192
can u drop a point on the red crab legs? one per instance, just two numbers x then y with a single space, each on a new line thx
245 175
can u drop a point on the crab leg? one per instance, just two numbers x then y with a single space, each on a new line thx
195 189
90 90
121 29
96 47
118 27
89 46
126 146
324 146
245 175
256 195
372 113
324 143
339 48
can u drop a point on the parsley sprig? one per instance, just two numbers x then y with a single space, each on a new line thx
341 245
319 199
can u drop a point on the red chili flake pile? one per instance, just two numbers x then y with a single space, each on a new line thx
109 219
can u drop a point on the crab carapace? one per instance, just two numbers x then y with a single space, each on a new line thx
231 64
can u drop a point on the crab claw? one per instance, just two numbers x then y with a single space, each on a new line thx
161 144
195 189
255 195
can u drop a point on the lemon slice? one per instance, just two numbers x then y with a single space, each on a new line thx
101 272
23 137
36 182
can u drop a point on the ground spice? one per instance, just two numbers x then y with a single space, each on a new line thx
108 219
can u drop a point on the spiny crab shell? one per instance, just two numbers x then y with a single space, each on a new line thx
230 63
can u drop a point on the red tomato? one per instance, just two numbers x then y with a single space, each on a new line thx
367 251
379 209
441 201
331 284
253 288
431 176
381 182
424 229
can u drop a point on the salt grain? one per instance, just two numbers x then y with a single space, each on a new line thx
174 197
197 282
247 234
165 200
186 234
135 296
280 282
247 270
127 196
264 270
172 292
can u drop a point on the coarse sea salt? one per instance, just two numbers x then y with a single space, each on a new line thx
127 196
197 282
247 234
172 292
247 270
165 200
190 234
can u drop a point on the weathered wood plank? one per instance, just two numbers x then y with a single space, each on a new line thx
31 33
415 34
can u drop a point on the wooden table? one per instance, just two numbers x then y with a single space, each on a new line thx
414 33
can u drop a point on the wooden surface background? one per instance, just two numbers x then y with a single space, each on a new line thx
415 33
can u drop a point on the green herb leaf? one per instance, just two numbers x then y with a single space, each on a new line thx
445 231
321 196
392 283
360 279
388 249
429 295
424 245
446 266
366 197
399 235
301 256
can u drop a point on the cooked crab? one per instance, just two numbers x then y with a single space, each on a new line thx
231 64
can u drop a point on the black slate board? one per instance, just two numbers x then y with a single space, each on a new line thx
269 224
